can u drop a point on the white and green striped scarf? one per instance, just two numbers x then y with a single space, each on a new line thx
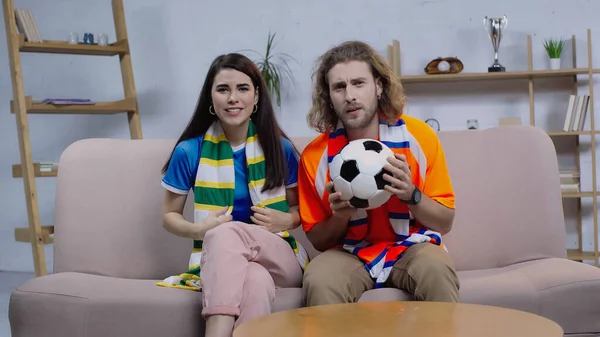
214 189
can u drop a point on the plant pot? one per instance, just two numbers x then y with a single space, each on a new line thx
555 63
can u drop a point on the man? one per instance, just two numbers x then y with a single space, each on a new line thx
356 96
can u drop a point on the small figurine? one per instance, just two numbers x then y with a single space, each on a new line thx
88 38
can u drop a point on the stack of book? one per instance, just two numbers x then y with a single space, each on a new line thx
48 166
67 101
569 181
576 112
27 26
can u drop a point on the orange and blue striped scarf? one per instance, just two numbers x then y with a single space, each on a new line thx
380 257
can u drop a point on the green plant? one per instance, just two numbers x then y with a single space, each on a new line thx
554 48
275 68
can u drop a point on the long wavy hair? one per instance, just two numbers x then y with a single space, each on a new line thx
268 130
321 116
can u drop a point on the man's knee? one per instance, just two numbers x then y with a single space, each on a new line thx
433 271
318 273
334 277
433 262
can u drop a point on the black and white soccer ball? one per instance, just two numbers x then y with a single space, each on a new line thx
357 172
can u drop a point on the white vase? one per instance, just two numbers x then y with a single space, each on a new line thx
555 63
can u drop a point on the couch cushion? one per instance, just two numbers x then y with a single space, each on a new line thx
564 291
507 190
109 190
385 295
287 299
76 304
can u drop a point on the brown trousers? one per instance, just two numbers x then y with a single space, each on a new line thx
426 271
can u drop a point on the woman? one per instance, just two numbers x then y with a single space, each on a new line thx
243 172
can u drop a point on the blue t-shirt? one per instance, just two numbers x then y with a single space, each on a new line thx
181 174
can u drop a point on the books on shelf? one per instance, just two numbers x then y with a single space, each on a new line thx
48 166
67 101
27 26
569 181
576 112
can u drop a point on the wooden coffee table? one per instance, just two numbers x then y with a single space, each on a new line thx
400 319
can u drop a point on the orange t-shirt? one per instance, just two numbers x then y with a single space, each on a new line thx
425 157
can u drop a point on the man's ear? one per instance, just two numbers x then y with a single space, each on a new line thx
379 86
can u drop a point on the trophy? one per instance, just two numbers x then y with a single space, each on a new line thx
495 27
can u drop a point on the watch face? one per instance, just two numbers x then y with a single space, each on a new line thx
417 196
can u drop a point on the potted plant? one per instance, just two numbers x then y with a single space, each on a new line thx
554 48
275 68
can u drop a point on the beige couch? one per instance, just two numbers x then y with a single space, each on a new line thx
508 241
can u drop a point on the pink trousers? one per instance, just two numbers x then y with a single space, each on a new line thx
242 265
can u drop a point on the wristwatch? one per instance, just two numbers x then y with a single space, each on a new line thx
415 198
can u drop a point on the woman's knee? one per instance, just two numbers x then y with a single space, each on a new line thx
226 230
258 293
258 281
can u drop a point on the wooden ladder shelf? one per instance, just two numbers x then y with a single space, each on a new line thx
22 105
531 75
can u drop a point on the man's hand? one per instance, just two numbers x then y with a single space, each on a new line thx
271 219
430 213
401 182
340 208
331 231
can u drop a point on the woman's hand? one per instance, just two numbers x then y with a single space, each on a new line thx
271 219
213 220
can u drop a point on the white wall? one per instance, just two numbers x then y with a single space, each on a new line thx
168 79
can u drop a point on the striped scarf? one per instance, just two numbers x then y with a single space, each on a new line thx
379 258
214 189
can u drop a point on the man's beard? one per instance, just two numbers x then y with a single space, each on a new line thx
357 123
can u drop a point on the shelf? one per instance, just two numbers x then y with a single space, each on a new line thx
572 133
577 255
121 106
63 47
24 234
17 172
21 106
578 195
573 74
509 75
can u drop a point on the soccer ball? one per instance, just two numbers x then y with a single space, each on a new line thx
357 172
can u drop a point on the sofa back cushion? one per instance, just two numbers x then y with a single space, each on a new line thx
109 198
508 198
108 211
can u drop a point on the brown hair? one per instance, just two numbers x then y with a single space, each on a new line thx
321 116
269 131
